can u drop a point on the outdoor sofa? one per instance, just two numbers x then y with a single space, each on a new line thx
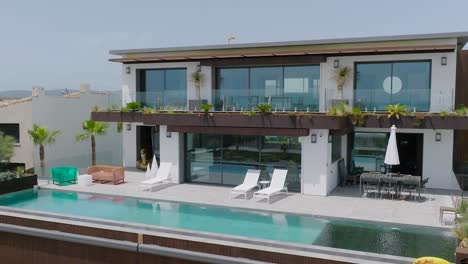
106 173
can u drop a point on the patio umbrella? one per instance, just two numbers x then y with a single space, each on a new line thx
391 155
148 172
154 167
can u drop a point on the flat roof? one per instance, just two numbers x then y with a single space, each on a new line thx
462 38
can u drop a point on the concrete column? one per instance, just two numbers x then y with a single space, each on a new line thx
315 157
129 145
171 149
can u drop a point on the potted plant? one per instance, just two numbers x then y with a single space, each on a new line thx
341 75
197 78
14 178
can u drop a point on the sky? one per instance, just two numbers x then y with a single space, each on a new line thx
59 44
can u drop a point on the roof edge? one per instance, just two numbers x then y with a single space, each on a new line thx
463 35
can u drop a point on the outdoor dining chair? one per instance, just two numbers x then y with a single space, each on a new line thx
388 186
372 185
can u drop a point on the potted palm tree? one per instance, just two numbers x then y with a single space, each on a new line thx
341 75
41 137
92 128
197 78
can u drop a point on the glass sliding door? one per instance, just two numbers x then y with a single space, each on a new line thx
175 89
301 87
240 153
162 88
415 85
225 159
369 150
203 158
233 89
266 86
284 87
383 83
369 85
282 152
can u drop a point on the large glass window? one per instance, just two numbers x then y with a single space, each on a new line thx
11 130
383 83
369 150
163 88
225 159
282 152
288 87
203 158
301 87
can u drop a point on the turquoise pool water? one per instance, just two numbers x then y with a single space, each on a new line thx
393 239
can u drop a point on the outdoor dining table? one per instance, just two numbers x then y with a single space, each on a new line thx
390 178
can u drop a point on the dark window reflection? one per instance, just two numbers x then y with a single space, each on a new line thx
381 84
225 159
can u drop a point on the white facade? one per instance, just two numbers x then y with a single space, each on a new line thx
319 175
66 113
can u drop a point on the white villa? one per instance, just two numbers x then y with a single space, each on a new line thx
297 79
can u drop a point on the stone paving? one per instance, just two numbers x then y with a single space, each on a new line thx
344 202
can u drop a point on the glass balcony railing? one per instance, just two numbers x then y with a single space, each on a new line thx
418 100
167 100
237 100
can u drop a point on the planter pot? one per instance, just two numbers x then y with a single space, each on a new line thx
334 102
196 104
18 184
449 122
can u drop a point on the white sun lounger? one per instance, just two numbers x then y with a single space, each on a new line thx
276 186
161 177
250 182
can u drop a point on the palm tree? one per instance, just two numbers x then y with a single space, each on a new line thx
42 136
92 128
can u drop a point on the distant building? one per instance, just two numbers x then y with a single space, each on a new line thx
65 113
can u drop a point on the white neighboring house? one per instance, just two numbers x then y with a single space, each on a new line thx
65 113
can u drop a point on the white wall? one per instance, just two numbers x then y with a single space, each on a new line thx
172 151
437 157
129 144
314 163
67 115
20 113
442 77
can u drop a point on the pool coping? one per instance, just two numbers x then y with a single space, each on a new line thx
441 227
322 252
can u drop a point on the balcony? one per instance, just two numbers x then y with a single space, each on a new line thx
235 100
416 100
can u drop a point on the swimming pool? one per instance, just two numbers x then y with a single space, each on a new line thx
392 239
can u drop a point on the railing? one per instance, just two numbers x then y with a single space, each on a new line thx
247 100
167 100
371 100
378 99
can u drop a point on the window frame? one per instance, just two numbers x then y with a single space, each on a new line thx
216 80
355 72
141 80
17 139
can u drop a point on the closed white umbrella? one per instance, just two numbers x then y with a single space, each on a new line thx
154 167
391 155
148 172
